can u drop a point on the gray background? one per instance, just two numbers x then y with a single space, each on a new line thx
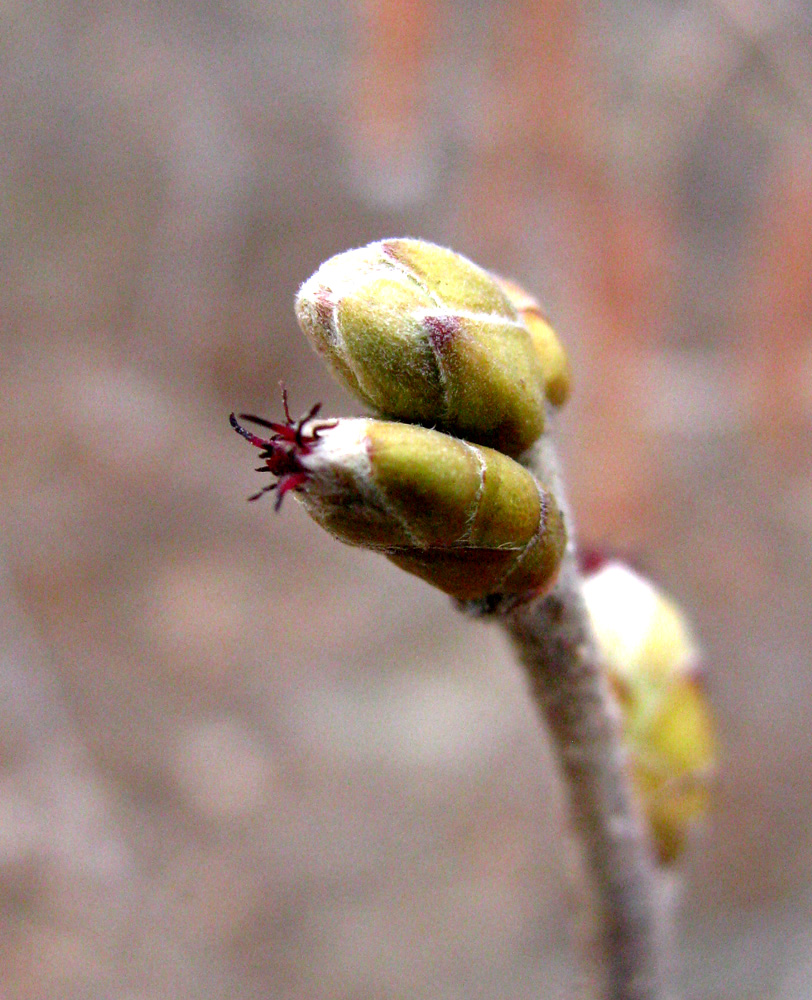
238 760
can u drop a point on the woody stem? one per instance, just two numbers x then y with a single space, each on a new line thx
553 639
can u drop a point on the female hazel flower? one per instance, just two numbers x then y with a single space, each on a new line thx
465 518
421 334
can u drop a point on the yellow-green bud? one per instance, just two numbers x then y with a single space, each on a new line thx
651 662
548 347
421 334
467 519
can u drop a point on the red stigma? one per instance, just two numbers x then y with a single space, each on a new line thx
282 452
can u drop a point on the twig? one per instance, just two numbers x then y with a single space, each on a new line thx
784 59
554 642
424 336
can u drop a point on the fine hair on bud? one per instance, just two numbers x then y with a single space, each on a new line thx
421 334
465 518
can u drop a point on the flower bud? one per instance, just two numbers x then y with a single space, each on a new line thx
421 334
651 663
467 519
548 347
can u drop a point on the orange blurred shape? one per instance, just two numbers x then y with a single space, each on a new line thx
390 70
777 357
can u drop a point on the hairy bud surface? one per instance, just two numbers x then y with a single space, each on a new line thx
467 519
421 334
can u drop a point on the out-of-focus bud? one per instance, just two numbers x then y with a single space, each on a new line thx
652 665
467 519
421 334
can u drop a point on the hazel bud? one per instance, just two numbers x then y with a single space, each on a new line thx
421 334
548 347
651 663
467 519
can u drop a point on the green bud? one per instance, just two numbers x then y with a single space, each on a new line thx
421 334
465 518
548 347
651 663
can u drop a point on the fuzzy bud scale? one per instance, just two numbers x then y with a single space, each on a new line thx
465 518
422 334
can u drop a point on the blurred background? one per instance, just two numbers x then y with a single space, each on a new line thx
238 760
